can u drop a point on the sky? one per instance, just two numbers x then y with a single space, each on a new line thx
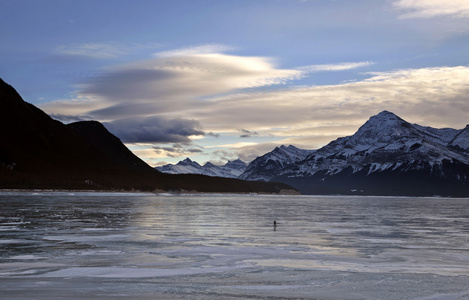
217 80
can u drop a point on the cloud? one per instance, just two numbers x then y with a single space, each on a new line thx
245 152
247 133
196 50
251 152
427 95
170 83
79 105
154 130
154 155
224 155
234 145
433 8
102 50
212 134
177 150
97 50
335 67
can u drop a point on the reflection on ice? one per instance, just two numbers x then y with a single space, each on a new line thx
411 262
224 246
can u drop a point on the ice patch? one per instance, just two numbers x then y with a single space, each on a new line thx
98 229
123 272
26 257
264 287
8 228
462 296
12 241
86 238
411 262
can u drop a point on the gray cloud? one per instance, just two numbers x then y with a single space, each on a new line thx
249 153
177 150
170 83
128 84
212 134
224 155
124 110
247 133
154 130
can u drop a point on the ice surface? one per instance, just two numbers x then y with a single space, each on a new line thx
109 246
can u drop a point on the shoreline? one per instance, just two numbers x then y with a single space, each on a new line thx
33 192
156 192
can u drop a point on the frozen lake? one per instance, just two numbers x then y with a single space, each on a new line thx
143 246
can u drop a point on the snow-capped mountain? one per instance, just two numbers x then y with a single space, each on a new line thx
274 162
461 139
386 156
186 166
232 169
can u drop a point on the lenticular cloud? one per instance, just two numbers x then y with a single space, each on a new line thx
432 8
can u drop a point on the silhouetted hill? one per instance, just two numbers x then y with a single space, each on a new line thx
98 136
39 152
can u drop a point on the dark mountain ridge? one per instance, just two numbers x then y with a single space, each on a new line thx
39 152
99 137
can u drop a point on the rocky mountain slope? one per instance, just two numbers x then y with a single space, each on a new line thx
386 156
272 163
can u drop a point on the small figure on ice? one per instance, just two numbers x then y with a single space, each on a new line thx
275 225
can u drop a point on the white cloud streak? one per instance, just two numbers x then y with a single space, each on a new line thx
97 50
433 8
335 67
196 50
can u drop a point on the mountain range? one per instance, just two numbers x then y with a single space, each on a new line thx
232 169
386 156
38 152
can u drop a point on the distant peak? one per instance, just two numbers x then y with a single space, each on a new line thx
386 114
382 128
286 148
235 162
187 160
385 118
